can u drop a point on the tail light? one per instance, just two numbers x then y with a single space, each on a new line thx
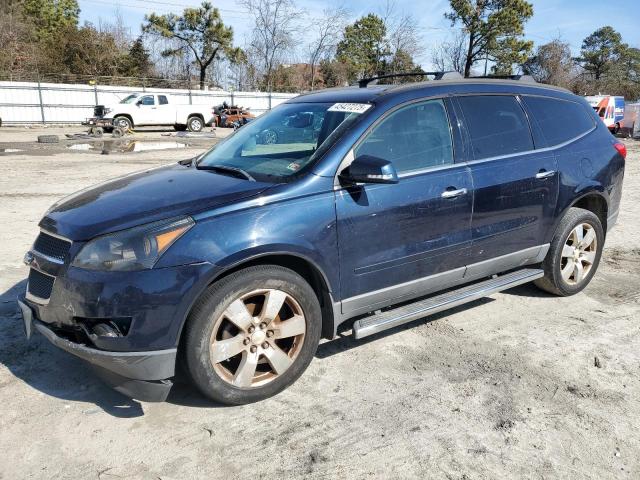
621 148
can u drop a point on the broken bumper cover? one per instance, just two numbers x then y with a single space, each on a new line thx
140 375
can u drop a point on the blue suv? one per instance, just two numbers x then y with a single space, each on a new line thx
394 202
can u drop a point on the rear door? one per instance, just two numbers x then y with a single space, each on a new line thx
515 186
165 114
398 241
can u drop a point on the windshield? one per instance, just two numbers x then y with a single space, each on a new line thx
129 99
282 142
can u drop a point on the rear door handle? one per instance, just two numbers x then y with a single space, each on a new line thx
454 193
545 174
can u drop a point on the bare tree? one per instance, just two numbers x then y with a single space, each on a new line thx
327 29
403 32
552 63
276 23
451 54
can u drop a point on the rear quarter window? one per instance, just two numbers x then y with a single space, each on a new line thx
559 120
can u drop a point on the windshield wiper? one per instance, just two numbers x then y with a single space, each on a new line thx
235 171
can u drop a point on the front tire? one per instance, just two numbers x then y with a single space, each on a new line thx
574 254
123 123
252 334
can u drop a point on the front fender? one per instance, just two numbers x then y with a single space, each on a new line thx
303 227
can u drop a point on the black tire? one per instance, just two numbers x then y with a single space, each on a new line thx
98 132
117 132
48 139
210 308
195 124
123 123
553 282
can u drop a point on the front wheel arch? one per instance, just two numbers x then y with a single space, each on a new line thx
303 266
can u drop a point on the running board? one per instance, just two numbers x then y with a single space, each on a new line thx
423 308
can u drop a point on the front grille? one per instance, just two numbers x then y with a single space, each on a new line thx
40 284
52 247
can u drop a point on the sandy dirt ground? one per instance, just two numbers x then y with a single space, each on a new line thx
506 387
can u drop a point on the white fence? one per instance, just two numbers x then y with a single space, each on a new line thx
27 102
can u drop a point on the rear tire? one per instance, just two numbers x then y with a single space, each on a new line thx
574 254
252 334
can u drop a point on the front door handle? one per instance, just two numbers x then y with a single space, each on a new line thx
545 174
454 193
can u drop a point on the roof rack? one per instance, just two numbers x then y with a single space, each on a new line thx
518 78
450 75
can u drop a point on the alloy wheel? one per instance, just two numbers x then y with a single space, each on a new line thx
578 254
196 125
257 338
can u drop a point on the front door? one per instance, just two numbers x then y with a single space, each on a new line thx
147 111
398 241
515 186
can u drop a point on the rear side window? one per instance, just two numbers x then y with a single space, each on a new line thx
497 125
560 120
414 137
162 100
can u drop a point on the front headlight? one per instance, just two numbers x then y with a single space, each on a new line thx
137 248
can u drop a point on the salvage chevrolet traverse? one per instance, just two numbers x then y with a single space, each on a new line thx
374 205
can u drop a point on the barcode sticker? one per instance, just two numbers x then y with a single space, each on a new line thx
349 107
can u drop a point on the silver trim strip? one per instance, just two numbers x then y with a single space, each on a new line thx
57 236
367 302
47 257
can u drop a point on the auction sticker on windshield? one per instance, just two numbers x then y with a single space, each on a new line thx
349 107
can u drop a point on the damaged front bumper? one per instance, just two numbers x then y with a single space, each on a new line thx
141 375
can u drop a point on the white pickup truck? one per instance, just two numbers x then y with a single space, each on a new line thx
147 109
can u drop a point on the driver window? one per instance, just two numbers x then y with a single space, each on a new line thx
147 100
413 138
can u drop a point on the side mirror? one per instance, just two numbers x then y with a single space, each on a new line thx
139 102
369 169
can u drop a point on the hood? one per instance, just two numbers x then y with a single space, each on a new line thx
144 197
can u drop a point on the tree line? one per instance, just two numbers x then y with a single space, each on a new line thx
289 51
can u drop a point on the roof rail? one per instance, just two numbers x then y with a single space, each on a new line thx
450 75
518 78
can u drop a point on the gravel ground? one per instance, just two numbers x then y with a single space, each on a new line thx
506 387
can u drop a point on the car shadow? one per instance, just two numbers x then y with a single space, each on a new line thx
345 341
61 375
58 374
528 290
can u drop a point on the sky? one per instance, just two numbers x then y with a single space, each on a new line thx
571 20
